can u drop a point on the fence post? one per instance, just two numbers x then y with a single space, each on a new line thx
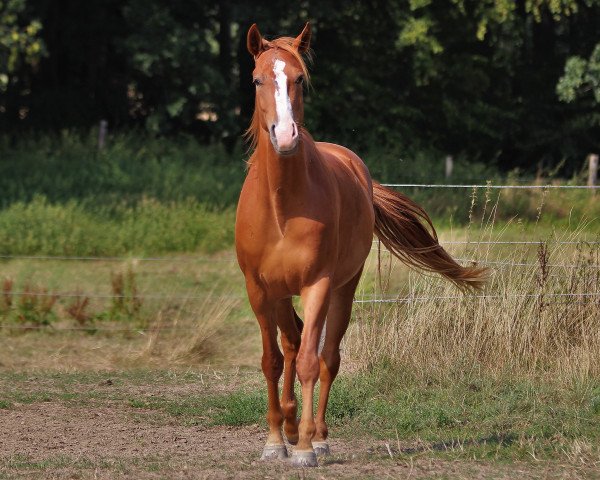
593 169
102 134
449 166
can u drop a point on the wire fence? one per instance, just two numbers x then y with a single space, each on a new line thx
231 258
363 299
489 185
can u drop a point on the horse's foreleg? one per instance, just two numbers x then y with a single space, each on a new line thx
272 367
316 302
338 317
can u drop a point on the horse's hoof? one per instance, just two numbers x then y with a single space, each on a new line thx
321 448
304 458
274 452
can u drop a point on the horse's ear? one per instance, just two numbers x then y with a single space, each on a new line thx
302 41
255 42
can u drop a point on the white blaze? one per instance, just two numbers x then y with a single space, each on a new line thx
284 128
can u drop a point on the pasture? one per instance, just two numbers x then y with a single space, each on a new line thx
130 132
150 367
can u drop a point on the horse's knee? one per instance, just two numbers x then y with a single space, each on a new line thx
307 367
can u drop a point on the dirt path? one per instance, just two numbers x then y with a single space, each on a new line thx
54 440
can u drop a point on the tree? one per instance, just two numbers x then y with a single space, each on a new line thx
580 78
20 42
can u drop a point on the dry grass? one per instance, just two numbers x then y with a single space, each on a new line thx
539 314
190 336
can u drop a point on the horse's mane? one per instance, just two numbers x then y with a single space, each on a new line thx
287 44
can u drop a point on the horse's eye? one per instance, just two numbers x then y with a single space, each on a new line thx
257 82
299 80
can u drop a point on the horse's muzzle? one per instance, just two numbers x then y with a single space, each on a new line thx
284 138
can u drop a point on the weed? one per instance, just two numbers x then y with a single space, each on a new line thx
34 307
7 299
77 310
126 302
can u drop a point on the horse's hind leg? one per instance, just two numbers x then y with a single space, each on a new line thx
338 317
291 328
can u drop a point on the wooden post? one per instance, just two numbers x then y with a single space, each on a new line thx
593 169
449 166
102 134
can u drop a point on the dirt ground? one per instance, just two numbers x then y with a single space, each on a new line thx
57 438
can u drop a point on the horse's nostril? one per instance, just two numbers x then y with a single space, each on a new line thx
294 130
273 129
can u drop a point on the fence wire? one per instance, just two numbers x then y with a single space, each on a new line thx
520 187
231 258
363 300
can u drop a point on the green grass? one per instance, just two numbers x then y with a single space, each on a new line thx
490 418
148 227
144 195
131 167
241 407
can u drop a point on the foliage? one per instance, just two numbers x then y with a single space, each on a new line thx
476 78
20 42
44 228
131 168
581 76
148 196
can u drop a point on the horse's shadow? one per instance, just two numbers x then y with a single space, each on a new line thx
498 439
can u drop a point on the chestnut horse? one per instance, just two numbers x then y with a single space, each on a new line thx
305 222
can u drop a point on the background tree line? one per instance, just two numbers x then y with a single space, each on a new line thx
513 83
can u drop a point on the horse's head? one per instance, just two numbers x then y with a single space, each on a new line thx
279 76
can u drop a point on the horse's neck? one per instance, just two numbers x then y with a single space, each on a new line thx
283 175
285 180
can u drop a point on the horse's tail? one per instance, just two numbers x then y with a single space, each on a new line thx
401 225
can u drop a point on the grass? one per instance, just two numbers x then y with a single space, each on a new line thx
237 408
149 196
147 227
513 377
468 416
539 314
132 167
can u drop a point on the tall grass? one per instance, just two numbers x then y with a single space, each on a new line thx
40 227
61 196
539 314
130 168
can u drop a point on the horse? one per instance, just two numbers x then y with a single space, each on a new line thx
305 220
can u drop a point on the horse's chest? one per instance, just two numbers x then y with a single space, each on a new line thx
288 265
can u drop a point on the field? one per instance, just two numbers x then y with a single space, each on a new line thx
164 382
128 350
